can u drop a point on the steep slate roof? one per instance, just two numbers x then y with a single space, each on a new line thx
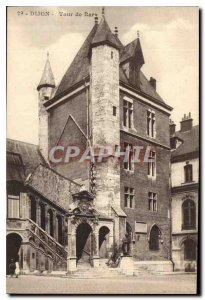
130 50
52 186
47 78
190 142
79 68
22 159
104 34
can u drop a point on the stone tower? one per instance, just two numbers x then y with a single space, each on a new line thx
105 113
45 89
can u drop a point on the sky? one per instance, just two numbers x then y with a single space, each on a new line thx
169 40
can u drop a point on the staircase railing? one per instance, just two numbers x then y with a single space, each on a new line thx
48 240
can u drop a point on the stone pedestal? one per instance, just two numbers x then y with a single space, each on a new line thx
96 261
71 264
127 265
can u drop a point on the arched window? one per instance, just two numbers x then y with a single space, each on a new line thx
189 250
154 238
188 176
189 214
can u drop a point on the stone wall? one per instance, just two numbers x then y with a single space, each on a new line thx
105 125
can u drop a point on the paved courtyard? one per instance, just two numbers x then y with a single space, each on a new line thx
167 284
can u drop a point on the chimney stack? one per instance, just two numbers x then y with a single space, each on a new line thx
153 82
186 123
96 20
116 32
172 127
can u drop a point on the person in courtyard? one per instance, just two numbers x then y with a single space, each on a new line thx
12 268
126 241
114 259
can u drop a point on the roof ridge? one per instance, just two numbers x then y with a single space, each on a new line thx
23 142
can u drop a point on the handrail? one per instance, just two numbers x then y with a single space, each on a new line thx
87 252
41 229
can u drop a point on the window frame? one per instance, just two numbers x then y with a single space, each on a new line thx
152 166
127 113
129 166
152 201
188 177
190 211
129 197
151 123
11 199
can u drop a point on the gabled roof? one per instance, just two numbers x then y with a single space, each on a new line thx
22 159
190 142
132 49
47 78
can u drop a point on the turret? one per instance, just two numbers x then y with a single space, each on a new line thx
105 112
45 89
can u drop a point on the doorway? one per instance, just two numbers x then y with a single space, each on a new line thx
13 244
104 242
84 243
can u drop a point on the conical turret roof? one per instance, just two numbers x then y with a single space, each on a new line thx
47 78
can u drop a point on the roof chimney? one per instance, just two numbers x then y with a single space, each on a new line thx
172 127
186 123
153 82
96 20
116 32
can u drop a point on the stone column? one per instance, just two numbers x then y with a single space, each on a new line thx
47 219
54 224
26 258
38 213
71 259
95 248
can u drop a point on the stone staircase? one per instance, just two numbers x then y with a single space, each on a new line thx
58 251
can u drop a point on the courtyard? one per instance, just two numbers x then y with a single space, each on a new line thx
147 284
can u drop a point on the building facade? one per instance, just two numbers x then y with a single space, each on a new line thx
74 212
185 186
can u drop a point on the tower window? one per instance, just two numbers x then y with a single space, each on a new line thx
114 110
188 174
111 54
152 201
127 113
128 158
46 98
129 195
151 123
152 164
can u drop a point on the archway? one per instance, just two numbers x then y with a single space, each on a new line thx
154 238
104 242
13 243
84 243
